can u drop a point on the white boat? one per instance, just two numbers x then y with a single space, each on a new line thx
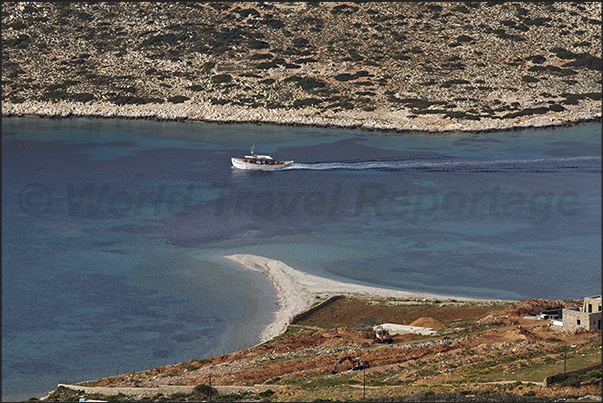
259 162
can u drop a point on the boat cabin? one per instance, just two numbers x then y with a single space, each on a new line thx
259 159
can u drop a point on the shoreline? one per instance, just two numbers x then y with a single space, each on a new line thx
384 121
297 291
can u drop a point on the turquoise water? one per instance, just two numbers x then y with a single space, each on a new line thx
113 230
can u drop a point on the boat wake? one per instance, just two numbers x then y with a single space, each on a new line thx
574 164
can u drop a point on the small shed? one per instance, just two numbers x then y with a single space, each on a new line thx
552 314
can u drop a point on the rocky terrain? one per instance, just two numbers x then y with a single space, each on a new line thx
483 351
417 66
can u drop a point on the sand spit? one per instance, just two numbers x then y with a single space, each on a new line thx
297 291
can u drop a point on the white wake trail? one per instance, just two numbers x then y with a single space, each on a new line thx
517 164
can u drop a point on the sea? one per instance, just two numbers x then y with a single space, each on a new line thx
113 231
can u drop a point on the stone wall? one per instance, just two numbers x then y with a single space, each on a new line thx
165 389
574 318
547 380
592 304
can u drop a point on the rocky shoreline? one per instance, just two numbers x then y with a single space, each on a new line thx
381 121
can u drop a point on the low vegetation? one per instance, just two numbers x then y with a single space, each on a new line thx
316 56
483 351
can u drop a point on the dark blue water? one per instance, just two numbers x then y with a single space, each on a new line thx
113 231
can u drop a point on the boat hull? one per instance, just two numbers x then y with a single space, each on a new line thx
240 164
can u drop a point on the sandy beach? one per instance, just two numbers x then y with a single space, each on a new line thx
296 291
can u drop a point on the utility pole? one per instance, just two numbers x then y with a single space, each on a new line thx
210 387
564 362
363 383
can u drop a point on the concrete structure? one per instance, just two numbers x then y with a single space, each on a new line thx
394 329
587 316
551 314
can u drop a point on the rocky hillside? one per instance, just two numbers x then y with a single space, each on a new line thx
482 352
391 66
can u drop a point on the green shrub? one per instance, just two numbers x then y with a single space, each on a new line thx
300 42
502 34
556 108
206 390
16 99
537 59
456 81
169 38
415 102
344 77
572 99
309 83
261 56
367 321
538 68
464 38
266 65
401 56
215 101
461 9
292 79
355 56
221 78
301 103
565 72
196 87
343 9
247 12
63 394
272 22
586 60
257 44
20 42
175 396
528 111
82 97
574 380
266 393
563 53
207 67
178 99
529 79
343 104
580 44
128 100
539 21
306 60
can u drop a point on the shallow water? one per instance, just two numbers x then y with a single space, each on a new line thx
113 230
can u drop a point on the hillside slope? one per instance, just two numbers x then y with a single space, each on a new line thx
374 65
484 352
